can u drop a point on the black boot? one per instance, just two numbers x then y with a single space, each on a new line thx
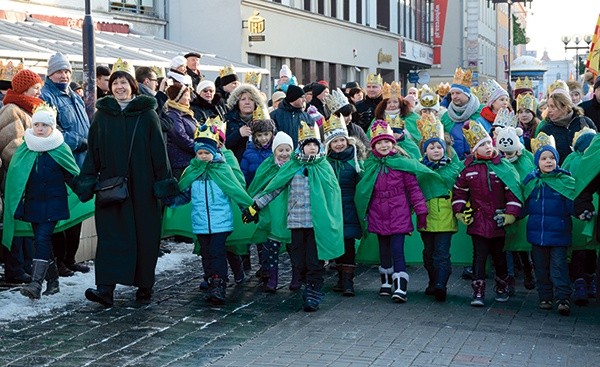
430 290
38 274
51 279
339 286
312 297
143 294
103 294
216 290
441 284
348 280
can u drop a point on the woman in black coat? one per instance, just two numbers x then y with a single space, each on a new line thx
207 103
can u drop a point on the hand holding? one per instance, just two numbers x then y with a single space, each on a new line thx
421 221
250 214
586 215
464 218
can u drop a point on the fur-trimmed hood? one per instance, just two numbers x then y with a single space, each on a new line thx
234 97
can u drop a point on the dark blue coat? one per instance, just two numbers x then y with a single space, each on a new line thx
549 222
287 119
45 193
180 139
234 141
343 166
252 158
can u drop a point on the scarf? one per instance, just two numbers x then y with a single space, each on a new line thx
565 121
559 180
488 114
462 113
43 144
435 165
27 103
180 107
337 160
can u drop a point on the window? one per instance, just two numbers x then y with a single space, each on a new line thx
305 72
255 59
321 6
320 71
276 63
145 7
383 14
307 5
332 75
359 12
346 10
334 8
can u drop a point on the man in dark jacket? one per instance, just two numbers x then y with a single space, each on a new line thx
592 107
290 112
192 67
366 107
102 76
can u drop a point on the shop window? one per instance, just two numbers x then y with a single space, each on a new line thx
145 7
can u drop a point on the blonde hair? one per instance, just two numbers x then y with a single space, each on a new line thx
562 102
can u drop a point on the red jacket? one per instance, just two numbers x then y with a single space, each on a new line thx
487 193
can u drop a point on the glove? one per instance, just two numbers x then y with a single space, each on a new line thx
250 214
168 201
504 219
586 215
421 221
466 219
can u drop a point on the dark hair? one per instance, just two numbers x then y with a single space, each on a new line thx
354 91
123 74
380 109
142 73
102 70
347 110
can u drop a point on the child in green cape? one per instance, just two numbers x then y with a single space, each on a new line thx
37 175
313 212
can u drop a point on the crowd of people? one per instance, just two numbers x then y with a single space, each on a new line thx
340 175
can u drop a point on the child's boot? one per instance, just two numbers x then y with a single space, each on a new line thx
237 267
312 297
38 274
529 279
216 290
590 281
52 286
441 284
400 286
501 289
386 281
478 293
580 296
339 286
348 280
430 290
272 274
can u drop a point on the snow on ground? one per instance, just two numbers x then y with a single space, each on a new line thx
14 306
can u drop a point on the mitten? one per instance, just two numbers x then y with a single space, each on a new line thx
504 219
586 215
421 221
250 214
465 217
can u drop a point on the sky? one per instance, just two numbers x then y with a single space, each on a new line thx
549 20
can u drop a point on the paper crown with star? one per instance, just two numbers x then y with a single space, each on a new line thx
475 134
442 89
8 71
428 98
253 78
395 122
542 140
430 127
260 114
333 128
462 77
526 101
505 118
525 83
220 125
226 70
308 132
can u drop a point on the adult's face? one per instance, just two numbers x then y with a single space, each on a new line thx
34 90
152 82
246 104
554 111
193 62
459 98
373 90
121 89
61 76
231 86
299 103
207 94
102 82
392 104
597 94
357 97
185 98
575 97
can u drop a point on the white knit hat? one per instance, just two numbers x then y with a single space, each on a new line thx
285 71
177 61
282 138
46 116
205 84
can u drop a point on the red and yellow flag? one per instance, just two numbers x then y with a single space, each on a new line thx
593 60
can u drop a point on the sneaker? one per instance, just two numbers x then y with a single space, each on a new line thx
501 296
467 273
545 305
564 307
240 280
477 301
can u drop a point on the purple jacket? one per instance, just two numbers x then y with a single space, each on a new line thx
393 194
472 185
180 139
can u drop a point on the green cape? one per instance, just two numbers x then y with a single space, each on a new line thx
559 181
410 124
18 173
449 124
516 234
325 202
588 167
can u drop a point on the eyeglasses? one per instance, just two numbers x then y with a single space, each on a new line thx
153 80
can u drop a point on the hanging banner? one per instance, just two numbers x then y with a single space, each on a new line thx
440 8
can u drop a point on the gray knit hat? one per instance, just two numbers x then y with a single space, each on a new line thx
58 62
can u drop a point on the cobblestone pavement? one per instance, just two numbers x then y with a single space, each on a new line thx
178 328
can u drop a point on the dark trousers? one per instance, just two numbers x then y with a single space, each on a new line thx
482 247
270 254
42 239
349 256
303 250
66 244
18 259
214 255
436 253
582 262
391 249
551 272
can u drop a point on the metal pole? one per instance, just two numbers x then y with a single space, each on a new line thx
89 62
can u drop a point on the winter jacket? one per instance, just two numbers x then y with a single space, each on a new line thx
440 217
549 222
299 208
203 110
287 119
393 195
343 167
357 132
180 138
592 110
72 118
233 139
45 198
487 193
563 136
252 158
366 111
211 208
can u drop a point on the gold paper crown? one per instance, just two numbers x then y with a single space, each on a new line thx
475 133
505 118
259 114
558 84
392 90
430 127
523 83
526 101
541 140
478 92
585 130
219 124
396 122
121 65
381 128
462 77
44 107
336 100
9 71
226 70
253 78
207 131
305 131
334 127
158 71
442 89
428 98
374 79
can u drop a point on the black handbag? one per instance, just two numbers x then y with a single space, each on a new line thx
112 191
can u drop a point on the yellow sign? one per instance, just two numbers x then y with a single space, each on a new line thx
381 57
256 24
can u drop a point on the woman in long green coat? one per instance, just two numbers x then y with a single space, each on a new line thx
128 232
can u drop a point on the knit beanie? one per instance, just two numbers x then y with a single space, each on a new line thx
177 61
44 116
293 93
285 71
542 149
175 91
380 130
226 79
282 138
24 80
205 84
277 96
318 88
207 144
58 62
261 126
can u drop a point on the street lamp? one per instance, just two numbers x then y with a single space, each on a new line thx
577 40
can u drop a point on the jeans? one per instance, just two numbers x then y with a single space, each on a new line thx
391 249
349 256
436 256
518 259
482 247
551 270
214 256
18 259
66 244
303 250
42 239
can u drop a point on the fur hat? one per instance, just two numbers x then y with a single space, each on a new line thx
176 91
24 80
261 126
58 62
255 95
282 138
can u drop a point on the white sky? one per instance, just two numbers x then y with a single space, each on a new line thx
549 20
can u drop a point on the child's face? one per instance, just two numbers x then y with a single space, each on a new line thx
547 162
338 145
384 147
485 150
41 130
204 155
263 138
435 151
283 153
525 116
509 155
310 148
500 103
